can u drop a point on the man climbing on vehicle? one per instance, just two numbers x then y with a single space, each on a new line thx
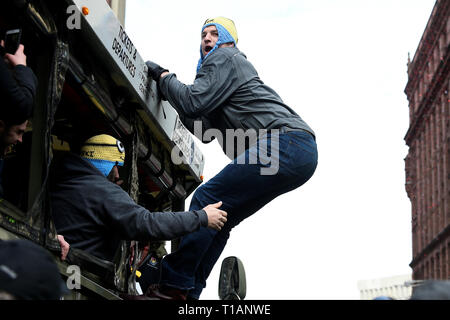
228 96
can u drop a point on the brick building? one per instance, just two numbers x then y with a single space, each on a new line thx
427 164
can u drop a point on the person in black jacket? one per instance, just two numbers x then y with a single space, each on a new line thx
17 91
94 214
17 87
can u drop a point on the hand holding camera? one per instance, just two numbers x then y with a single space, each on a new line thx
12 49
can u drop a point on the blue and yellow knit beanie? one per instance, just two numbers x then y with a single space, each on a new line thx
103 152
227 33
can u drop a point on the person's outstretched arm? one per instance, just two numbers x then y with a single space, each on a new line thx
134 222
17 88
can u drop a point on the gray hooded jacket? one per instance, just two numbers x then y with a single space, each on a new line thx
228 94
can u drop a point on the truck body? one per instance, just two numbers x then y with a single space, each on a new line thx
92 79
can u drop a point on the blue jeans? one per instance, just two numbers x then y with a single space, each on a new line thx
243 189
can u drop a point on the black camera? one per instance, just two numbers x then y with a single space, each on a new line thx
12 40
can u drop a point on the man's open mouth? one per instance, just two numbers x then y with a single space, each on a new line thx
208 49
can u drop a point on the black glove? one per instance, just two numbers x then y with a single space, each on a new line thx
155 70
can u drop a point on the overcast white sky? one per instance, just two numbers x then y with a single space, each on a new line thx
342 66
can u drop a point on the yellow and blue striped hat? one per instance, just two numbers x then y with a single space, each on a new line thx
227 24
227 34
103 152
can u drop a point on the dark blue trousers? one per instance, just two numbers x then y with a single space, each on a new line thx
277 164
